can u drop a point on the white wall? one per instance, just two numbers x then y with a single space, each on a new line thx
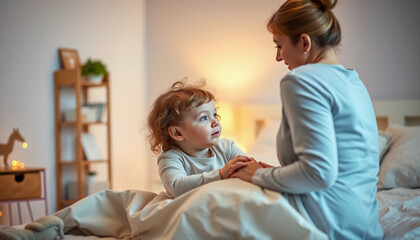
30 34
227 43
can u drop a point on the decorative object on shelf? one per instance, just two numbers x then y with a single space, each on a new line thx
91 176
88 189
6 149
98 108
88 114
90 147
94 70
69 58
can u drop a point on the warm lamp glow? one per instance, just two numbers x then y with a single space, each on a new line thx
14 163
21 165
228 66
229 120
24 145
227 117
1 213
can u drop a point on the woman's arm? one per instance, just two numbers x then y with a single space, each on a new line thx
309 117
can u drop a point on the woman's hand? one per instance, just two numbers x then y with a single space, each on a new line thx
246 173
265 165
233 165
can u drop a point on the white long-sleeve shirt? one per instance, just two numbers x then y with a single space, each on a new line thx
180 172
328 148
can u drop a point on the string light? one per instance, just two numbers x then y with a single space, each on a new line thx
17 164
25 145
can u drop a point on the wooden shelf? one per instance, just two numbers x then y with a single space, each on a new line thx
83 123
85 162
72 78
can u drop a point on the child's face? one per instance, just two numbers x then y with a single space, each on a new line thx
200 127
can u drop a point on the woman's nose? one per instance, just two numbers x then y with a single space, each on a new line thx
278 57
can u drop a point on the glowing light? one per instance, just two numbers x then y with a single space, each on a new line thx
1 213
17 164
226 112
226 66
24 145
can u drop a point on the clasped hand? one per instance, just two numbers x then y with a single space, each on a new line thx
242 167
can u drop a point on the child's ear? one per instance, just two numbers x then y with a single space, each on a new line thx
175 133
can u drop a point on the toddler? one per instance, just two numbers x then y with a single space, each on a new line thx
185 131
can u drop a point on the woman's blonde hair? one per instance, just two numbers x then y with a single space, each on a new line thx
313 17
168 110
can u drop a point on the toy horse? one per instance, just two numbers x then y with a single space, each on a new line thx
6 149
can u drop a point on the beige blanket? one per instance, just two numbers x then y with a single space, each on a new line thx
227 209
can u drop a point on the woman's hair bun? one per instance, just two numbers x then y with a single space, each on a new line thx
325 5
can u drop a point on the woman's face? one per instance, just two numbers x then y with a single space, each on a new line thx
287 52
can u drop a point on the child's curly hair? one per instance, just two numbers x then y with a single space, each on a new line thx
168 110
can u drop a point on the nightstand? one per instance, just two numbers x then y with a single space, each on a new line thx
22 185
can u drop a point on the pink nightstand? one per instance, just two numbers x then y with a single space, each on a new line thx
22 185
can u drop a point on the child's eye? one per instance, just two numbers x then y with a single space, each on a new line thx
217 116
203 118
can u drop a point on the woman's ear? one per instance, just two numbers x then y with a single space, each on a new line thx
175 133
305 42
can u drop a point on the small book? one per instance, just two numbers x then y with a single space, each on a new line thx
99 110
90 147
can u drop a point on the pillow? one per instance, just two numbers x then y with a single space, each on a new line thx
400 166
268 133
384 140
264 148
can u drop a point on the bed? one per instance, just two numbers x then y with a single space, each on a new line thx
233 209
399 146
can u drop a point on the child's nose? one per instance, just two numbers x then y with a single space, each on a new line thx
215 123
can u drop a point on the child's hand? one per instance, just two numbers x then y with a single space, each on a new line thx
233 165
247 173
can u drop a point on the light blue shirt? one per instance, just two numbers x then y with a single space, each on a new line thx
328 148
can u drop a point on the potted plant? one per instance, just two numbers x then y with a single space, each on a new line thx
91 176
94 70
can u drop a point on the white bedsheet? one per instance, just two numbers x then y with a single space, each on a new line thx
228 209
399 213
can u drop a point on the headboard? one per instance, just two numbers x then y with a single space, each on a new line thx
250 117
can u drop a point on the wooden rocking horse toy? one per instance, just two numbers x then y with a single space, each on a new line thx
6 149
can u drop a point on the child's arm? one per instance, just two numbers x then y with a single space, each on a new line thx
177 180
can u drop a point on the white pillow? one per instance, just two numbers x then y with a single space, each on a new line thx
268 133
400 166
384 140
264 148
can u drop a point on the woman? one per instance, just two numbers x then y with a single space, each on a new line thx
327 143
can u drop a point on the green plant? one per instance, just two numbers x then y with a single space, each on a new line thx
92 173
94 67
